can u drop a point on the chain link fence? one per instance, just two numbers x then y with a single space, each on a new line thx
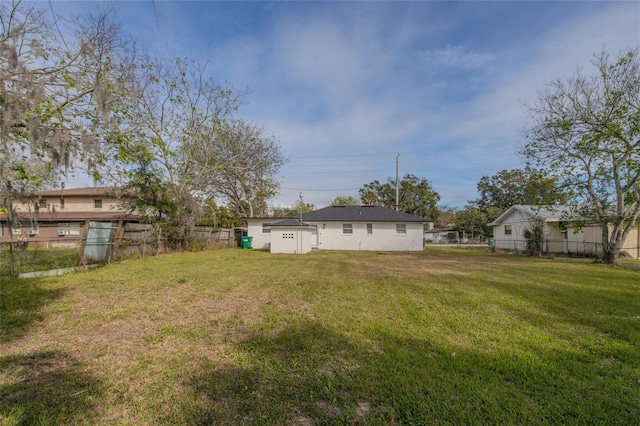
562 247
105 242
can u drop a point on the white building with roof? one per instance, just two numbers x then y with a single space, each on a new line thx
564 231
370 228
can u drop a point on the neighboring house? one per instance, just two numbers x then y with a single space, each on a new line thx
442 236
341 228
60 215
561 232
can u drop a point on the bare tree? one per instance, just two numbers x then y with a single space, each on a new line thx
237 161
58 92
172 103
586 130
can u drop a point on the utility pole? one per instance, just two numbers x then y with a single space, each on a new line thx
300 232
397 184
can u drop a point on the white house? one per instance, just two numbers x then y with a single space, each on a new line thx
561 233
341 228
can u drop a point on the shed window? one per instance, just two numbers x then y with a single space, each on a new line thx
507 230
369 228
266 228
347 228
401 228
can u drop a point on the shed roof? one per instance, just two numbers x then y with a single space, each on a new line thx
360 214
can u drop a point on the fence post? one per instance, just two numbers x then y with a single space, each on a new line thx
144 242
10 259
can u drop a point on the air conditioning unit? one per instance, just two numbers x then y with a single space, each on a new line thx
33 232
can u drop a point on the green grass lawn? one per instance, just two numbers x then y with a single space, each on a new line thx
246 337
19 261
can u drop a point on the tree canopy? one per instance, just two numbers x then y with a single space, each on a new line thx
59 94
345 201
586 131
416 196
526 186
74 91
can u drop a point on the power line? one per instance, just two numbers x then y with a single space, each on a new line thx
343 156
319 190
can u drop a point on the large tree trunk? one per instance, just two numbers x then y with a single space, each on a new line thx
610 250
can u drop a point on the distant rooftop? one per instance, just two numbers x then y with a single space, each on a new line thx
88 191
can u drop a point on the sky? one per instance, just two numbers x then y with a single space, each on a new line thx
348 88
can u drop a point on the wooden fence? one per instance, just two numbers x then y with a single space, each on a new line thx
140 240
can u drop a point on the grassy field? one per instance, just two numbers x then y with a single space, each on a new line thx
18 261
246 337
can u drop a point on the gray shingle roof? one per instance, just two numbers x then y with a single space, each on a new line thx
359 214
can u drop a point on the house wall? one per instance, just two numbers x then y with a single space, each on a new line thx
46 230
384 237
588 240
261 240
75 204
556 239
292 240
632 244
583 241
518 222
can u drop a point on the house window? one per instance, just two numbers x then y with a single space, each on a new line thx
347 228
401 228
97 203
369 228
61 203
68 229
34 229
507 230
266 228
314 229
16 230
42 204
1 229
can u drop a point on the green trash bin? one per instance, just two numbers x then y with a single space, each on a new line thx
491 242
246 242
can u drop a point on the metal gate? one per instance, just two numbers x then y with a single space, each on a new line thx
98 241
